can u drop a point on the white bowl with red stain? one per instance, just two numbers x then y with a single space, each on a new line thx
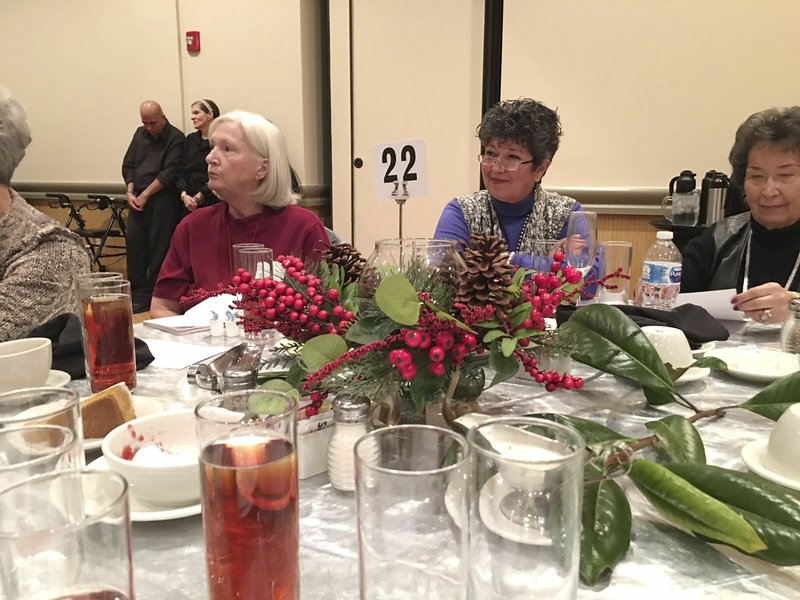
157 454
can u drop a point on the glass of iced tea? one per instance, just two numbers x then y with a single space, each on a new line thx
107 319
248 470
66 536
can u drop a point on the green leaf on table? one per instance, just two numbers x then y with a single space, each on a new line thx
370 329
679 439
281 385
711 362
657 397
398 299
320 350
592 432
771 510
508 345
776 397
606 527
603 337
265 402
693 509
505 367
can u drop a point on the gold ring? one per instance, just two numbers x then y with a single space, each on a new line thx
766 315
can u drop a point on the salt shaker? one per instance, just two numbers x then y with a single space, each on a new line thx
790 334
350 422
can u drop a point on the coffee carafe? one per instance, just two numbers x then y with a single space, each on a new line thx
713 193
683 183
682 205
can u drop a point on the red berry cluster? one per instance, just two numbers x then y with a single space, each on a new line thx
299 314
552 380
431 346
316 402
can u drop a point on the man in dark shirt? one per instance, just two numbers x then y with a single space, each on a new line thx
150 169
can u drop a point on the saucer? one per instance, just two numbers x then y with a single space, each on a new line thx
693 374
491 496
707 347
143 511
751 455
760 365
142 405
57 378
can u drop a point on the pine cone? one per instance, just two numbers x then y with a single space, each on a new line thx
488 273
348 258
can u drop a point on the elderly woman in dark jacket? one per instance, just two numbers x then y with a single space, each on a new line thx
757 253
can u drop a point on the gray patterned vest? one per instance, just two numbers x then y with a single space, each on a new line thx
550 213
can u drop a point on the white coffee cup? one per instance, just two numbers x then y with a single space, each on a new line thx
25 363
671 345
782 455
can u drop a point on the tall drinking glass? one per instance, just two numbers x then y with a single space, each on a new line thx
85 278
581 246
236 254
525 513
107 320
66 536
411 495
248 470
57 408
258 263
615 256
35 450
542 251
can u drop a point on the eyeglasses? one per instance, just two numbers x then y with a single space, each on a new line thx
507 164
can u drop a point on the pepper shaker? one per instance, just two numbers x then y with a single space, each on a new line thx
350 422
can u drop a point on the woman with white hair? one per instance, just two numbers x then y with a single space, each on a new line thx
39 258
248 169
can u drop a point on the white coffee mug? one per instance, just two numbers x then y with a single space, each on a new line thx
25 363
782 455
671 345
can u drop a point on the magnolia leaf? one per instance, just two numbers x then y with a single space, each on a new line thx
592 432
776 397
602 336
470 383
771 510
508 345
370 329
693 509
606 527
657 397
320 350
398 299
711 362
679 439
505 367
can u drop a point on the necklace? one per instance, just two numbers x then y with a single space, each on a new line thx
746 280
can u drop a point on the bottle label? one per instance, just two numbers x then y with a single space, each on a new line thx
655 272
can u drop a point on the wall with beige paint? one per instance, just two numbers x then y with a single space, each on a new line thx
91 62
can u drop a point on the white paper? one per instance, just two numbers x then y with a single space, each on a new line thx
716 302
211 309
177 355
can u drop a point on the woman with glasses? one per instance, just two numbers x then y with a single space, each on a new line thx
519 139
757 252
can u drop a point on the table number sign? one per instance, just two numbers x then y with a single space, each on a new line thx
398 162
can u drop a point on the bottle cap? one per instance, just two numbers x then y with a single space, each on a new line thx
664 235
347 409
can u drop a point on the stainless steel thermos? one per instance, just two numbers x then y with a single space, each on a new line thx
713 193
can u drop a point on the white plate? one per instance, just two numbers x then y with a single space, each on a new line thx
693 374
142 405
141 511
752 363
751 455
57 378
707 347
491 495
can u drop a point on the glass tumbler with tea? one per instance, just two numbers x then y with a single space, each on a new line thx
248 470
107 320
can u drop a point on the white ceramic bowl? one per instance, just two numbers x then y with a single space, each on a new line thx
25 363
164 479
782 455
671 345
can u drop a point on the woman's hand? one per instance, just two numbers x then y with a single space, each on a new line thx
767 303
188 201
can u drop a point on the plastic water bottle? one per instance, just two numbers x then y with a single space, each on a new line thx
661 273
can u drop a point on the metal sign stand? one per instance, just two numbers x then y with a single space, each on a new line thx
400 198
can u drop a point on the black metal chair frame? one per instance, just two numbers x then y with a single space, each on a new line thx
97 240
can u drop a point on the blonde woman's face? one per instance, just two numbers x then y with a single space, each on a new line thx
772 185
200 118
233 169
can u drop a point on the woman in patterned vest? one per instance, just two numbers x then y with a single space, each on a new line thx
519 139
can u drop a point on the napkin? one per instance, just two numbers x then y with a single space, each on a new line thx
64 331
694 321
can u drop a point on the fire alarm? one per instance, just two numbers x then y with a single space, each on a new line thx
193 41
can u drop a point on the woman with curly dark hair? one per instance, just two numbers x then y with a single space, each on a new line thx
519 139
757 252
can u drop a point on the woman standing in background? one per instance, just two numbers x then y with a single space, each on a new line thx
193 177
